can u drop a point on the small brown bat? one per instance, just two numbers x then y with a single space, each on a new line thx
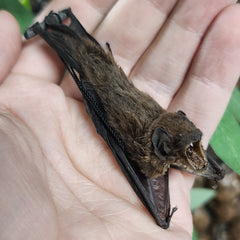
145 139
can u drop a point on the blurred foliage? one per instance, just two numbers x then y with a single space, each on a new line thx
26 4
226 139
200 196
38 5
22 12
195 236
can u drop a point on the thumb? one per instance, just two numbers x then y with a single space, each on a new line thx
10 43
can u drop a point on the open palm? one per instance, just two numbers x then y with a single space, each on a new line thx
58 179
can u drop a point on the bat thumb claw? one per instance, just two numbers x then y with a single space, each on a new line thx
168 220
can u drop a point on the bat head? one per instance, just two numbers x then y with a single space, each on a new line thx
177 142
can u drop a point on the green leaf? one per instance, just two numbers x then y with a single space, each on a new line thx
195 236
26 4
226 139
234 104
23 15
200 196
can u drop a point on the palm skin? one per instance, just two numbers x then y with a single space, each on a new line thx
58 179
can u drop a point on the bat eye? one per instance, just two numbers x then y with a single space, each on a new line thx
161 140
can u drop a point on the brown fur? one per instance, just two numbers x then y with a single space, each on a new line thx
139 132
131 113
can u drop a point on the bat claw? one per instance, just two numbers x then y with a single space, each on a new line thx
171 214
64 14
29 33
32 31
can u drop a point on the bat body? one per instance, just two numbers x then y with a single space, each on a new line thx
145 139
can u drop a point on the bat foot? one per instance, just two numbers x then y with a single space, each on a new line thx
51 19
31 31
64 14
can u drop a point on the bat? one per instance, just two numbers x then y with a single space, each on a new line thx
145 139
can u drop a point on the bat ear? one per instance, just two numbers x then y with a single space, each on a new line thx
162 140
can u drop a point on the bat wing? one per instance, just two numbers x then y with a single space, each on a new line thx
153 192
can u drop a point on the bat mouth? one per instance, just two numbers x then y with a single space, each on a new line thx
196 156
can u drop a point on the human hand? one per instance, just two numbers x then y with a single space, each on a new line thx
58 179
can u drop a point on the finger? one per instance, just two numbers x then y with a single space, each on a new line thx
180 184
128 32
131 26
162 68
40 60
207 89
214 72
10 43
